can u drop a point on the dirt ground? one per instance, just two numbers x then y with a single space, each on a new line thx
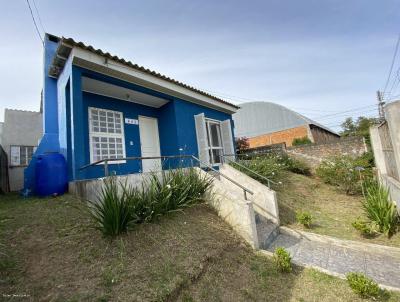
50 251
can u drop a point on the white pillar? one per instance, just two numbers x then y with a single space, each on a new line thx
377 149
392 115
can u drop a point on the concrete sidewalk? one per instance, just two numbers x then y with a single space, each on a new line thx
382 264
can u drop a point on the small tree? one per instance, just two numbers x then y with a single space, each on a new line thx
242 144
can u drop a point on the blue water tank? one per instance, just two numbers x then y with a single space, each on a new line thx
51 174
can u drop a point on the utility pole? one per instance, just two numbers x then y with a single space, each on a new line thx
381 103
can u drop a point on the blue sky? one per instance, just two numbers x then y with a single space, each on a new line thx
317 57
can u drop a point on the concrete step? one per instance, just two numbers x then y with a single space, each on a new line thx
267 231
214 174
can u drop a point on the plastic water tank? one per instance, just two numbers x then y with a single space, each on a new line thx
51 174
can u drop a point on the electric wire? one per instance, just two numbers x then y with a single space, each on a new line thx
34 22
392 63
40 19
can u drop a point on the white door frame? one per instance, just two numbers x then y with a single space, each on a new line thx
149 165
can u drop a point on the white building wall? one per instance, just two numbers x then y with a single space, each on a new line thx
389 166
21 128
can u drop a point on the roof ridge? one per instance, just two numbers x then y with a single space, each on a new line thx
71 42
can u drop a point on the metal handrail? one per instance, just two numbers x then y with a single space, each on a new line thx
226 177
107 160
269 181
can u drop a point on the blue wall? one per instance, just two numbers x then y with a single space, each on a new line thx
129 110
50 118
66 130
49 141
175 119
185 112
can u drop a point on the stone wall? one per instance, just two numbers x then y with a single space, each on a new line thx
315 153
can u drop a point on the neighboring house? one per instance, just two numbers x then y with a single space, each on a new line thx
21 133
385 141
98 106
265 123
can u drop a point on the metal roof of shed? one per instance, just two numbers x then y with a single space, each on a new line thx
258 118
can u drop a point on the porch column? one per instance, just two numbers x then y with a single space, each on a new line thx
77 128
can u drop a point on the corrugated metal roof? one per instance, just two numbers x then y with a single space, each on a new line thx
61 58
258 118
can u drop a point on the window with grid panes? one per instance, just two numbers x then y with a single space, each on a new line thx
106 133
21 155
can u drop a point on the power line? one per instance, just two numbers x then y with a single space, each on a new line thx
359 113
392 64
337 125
237 98
395 83
346 111
37 13
34 22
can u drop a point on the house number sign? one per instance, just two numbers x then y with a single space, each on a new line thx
131 121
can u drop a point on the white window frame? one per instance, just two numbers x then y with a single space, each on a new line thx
106 134
26 160
210 148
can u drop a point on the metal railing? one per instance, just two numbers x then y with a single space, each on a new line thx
191 157
269 181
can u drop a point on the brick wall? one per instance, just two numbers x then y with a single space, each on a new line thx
284 136
315 153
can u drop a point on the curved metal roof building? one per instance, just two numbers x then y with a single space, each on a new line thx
260 118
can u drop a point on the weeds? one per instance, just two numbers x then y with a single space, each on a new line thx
363 286
366 229
282 260
271 166
305 218
345 172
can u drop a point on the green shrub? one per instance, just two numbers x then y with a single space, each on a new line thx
267 166
305 218
363 286
111 212
366 160
344 172
282 260
121 206
301 141
294 165
365 228
379 208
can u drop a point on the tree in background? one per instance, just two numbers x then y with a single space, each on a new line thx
360 127
242 144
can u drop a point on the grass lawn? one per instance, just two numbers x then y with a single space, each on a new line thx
51 252
332 210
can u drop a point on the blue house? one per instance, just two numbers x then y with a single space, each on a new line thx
98 106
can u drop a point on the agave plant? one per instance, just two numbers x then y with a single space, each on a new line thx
120 206
379 207
111 212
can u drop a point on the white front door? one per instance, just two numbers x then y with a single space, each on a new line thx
150 143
